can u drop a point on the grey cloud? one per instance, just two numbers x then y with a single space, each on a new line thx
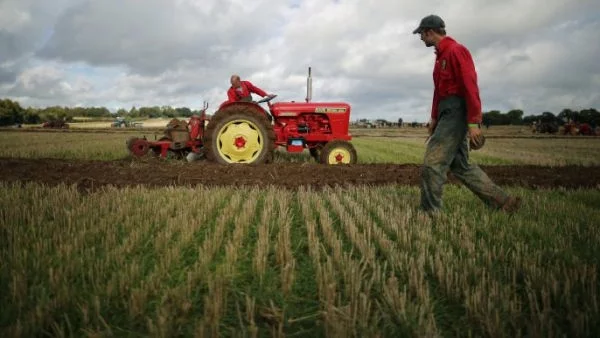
46 83
24 24
7 76
156 35
181 52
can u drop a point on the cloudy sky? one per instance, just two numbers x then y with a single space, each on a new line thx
530 54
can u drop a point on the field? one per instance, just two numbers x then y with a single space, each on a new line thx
505 147
95 243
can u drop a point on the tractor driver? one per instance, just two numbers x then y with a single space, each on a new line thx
242 90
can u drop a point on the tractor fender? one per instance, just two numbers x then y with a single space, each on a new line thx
251 105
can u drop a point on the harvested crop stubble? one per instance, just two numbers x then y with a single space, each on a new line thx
265 261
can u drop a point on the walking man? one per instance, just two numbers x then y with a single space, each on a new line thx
455 123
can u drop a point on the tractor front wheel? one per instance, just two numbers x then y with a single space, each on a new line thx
338 152
239 134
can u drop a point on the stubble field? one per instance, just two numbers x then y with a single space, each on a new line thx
345 255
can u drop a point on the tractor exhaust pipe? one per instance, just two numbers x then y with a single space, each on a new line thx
309 86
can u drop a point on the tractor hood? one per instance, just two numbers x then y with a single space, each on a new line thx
294 108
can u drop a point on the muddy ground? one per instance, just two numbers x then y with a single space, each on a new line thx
155 172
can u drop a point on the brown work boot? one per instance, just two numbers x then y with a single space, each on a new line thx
511 205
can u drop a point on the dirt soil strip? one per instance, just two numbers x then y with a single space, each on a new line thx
156 173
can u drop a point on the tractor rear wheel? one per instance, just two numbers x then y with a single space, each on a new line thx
239 134
338 152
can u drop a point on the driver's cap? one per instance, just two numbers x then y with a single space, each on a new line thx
430 21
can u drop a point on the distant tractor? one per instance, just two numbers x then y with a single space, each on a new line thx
120 122
586 130
56 124
547 124
546 127
570 128
244 132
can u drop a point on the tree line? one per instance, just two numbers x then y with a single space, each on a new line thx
515 117
11 113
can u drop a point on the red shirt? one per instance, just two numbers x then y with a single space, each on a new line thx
246 88
454 74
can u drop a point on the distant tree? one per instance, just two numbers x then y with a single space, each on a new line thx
528 120
567 114
515 117
168 111
548 117
151 112
183 112
31 116
400 122
591 116
11 112
133 112
495 118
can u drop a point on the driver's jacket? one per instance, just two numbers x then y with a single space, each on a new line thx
243 93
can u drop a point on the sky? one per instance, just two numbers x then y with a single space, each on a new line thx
529 55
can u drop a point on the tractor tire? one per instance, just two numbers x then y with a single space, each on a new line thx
138 146
338 152
239 134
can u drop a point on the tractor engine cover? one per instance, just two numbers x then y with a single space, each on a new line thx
316 123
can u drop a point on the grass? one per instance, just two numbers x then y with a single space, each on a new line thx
353 262
67 145
500 151
370 149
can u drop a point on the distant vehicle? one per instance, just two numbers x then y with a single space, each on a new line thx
56 124
123 123
547 124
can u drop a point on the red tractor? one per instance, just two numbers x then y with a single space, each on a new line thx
244 132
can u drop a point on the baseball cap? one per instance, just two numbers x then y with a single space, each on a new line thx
430 21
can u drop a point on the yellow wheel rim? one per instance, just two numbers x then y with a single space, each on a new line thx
339 156
239 141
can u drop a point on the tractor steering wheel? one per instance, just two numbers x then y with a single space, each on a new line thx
267 99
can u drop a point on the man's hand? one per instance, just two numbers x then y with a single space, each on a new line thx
476 138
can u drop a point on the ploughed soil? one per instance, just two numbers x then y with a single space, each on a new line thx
156 173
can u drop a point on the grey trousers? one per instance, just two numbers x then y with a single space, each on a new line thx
448 150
